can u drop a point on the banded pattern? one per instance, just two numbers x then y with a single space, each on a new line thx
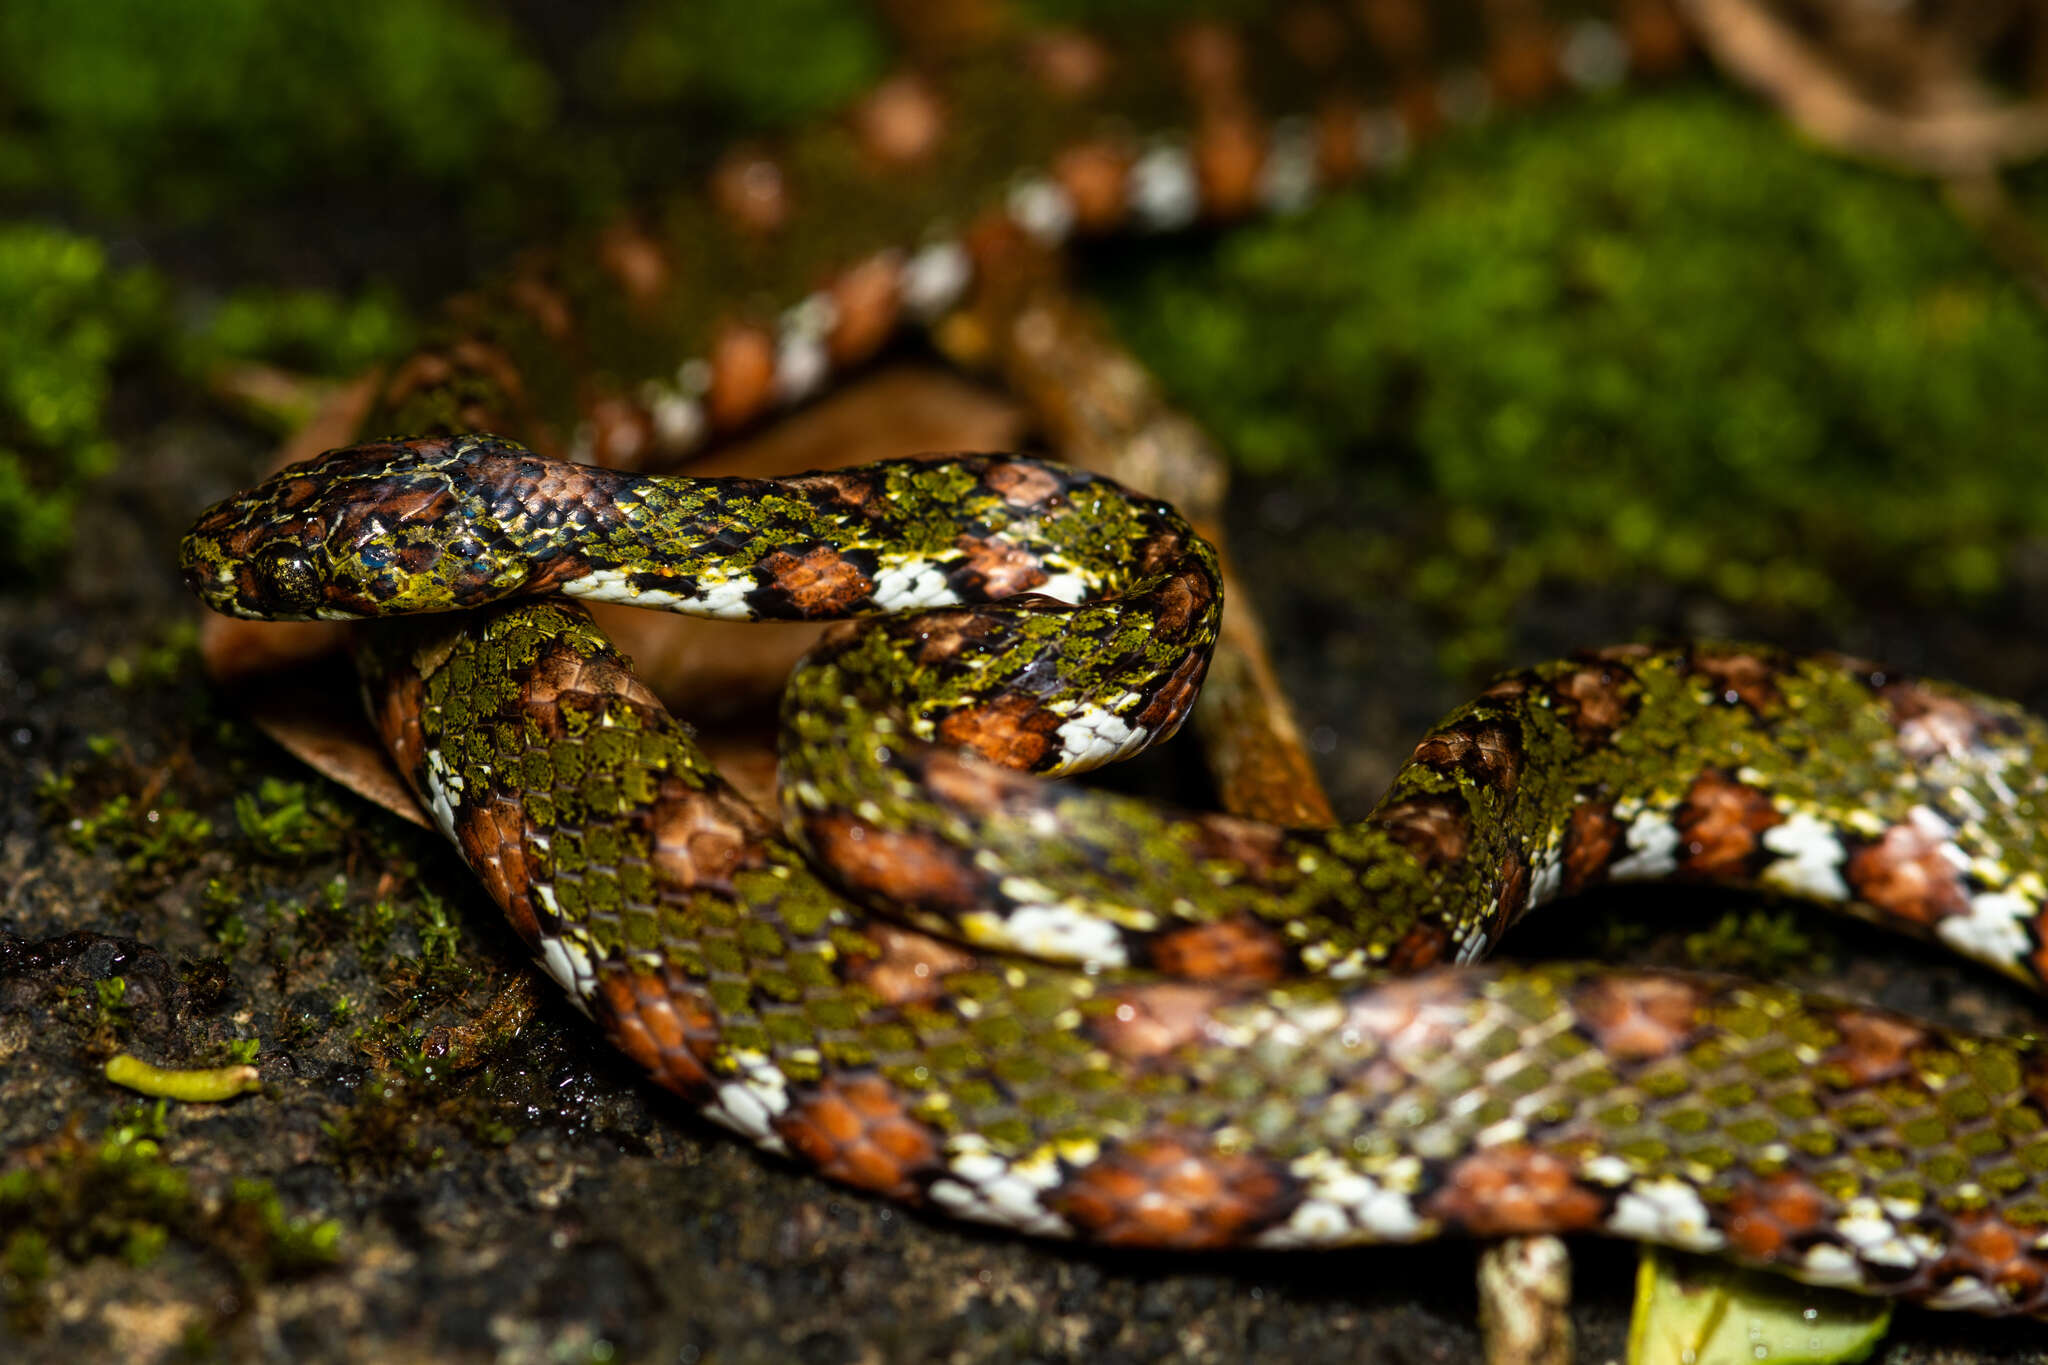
1223 1058
1219 1053
1036 137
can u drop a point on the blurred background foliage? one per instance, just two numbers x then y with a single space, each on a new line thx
1648 336
130 107
1656 338
170 174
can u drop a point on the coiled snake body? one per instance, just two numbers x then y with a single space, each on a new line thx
1228 1033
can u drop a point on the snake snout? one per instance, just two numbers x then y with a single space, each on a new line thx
254 570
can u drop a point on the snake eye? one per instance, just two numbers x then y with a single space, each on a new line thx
290 582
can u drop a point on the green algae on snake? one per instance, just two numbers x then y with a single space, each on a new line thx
1209 1095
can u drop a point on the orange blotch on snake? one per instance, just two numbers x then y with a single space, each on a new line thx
996 567
1239 949
1145 1023
1873 1048
742 375
1591 837
1593 701
1488 750
1906 874
1012 730
819 582
865 301
1739 677
1170 1193
1640 1018
1721 824
701 839
857 1129
1022 485
1435 829
1999 1254
915 869
1096 177
906 967
659 1022
1932 724
1514 1188
1764 1215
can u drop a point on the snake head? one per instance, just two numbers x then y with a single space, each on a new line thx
379 529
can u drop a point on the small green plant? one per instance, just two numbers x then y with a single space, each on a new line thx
304 329
26 1260
111 993
438 931
374 926
290 1243
286 820
1760 943
220 909
231 932
153 665
143 1119
56 792
109 804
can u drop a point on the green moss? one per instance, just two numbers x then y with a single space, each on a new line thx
286 1243
438 931
100 1015
313 331
380 1130
765 62
157 838
159 663
129 106
1767 944
112 1000
285 820
80 1198
66 319
109 803
69 320
1656 338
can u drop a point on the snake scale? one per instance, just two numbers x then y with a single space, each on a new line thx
1224 1046
1076 1014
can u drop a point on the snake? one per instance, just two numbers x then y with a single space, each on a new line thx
948 976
